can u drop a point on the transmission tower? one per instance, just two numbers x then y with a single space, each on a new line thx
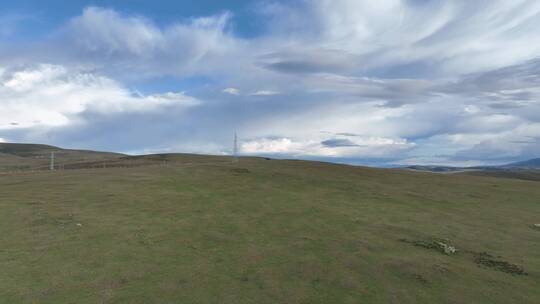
235 148
51 166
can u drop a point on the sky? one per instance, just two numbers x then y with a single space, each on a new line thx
379 83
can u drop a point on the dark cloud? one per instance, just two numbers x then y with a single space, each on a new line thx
338 142
300 67
505 105
347 134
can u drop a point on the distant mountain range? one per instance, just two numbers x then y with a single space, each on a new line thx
532 164
528 164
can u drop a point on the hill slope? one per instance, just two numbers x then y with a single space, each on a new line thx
526 170
26 150
528 164
35 156
206 230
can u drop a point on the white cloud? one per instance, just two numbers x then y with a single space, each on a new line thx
438 161
231 91
522 140
104 30
52 95
265 93
269 145
451 36
361 147
122 43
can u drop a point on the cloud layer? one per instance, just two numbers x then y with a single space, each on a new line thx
393 82
44 98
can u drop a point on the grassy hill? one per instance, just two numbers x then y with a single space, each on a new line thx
196 229
14 156
26 150
525 174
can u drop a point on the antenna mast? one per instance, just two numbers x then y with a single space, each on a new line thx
51 167
235 148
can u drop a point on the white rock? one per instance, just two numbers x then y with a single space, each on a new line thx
447 248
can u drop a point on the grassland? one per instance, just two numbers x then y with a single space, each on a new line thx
205 230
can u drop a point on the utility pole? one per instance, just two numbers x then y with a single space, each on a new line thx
51 167
235 148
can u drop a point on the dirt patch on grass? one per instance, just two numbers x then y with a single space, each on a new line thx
487 260
482 259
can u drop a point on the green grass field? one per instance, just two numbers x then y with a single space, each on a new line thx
205 230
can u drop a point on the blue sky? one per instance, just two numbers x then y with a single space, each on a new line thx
380 83
43 16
